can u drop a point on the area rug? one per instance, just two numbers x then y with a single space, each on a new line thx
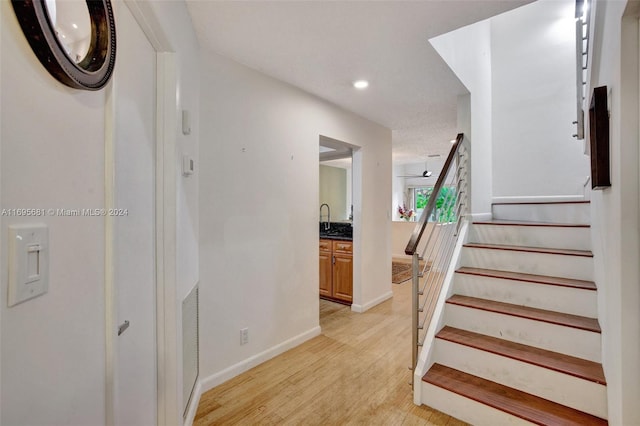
400 272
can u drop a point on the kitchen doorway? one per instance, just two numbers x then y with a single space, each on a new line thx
339 207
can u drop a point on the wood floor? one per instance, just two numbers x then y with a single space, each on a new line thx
355 372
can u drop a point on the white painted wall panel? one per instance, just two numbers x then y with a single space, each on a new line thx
552 265
134 145
566 340
534 102
575 238
549 297
615 211
467 51
52 141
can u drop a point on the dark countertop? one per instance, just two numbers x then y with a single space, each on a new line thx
337 231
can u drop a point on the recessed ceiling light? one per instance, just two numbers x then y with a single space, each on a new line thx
75 26
452 141
361 84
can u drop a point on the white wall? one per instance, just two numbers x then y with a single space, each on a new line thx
615 211
52 157
467 51
400 233
175 22
52 142
533 102
259 241
397 191
519 69
333 191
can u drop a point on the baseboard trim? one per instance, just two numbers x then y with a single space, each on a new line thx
193 405
363 308
228 373
546 199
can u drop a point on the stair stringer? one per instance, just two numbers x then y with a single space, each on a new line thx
425 355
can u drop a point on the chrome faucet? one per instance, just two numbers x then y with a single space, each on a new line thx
328 224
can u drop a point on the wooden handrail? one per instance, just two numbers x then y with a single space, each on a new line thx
412 245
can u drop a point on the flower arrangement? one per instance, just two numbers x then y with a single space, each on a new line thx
405 213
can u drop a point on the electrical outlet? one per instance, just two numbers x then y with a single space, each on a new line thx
244 336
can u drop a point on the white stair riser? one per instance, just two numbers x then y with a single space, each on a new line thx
533 236
551 213
561 388
567 340
554 265
569 300
466 409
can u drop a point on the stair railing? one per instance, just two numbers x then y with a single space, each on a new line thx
582 62
434 238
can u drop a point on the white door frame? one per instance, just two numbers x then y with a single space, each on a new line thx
167 374
356 203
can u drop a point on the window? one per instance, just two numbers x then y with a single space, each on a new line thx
445 210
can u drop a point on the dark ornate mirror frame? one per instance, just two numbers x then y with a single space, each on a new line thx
94 71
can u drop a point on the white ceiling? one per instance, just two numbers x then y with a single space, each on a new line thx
323 46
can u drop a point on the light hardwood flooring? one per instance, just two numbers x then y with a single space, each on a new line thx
355 372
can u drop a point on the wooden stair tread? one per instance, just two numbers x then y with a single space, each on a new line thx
552 317
517 276
577 367
526 223
517 403
582 253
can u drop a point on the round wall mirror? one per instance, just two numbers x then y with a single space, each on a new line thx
72 25
75 40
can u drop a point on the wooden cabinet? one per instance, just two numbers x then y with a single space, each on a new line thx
336 270
325 273
343 277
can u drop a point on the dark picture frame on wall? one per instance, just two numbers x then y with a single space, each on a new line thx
599 139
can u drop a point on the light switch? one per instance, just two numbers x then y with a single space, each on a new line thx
33 262
28 262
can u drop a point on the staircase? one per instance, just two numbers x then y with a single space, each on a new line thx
520 341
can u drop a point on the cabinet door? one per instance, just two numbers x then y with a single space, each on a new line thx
343 277
325 274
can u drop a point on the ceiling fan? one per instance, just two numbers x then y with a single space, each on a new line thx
427 173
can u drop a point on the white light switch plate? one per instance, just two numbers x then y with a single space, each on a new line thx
28 262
